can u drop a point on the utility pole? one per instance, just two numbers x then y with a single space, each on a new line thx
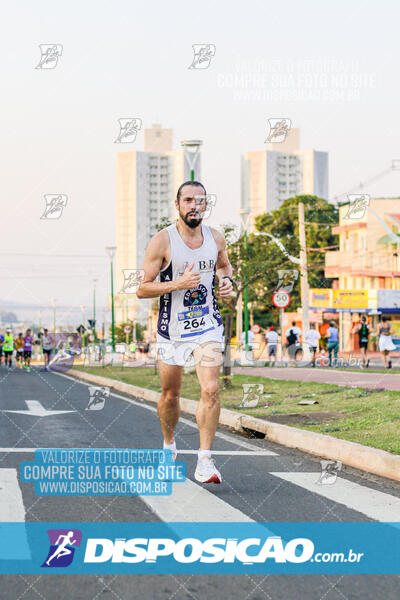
303 269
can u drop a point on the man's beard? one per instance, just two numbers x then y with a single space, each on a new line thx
191 221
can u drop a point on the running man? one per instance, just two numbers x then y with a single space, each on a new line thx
62 549
363 331
187 255
28 341
8 348
47 347
19 347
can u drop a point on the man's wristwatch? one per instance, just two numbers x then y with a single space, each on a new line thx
227 277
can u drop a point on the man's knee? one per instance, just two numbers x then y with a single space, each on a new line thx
210 389
170 398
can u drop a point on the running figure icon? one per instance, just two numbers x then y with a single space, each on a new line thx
62 549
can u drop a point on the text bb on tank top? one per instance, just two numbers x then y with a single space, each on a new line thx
185 314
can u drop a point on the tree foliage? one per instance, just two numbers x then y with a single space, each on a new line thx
257 262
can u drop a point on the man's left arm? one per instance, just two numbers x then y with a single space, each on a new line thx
223 266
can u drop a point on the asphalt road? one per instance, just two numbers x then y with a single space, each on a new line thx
262 481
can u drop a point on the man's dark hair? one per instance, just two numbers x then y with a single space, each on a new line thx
384 319
363 319
197 183
293 323
332 323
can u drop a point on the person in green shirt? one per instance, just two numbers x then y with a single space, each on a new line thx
8 348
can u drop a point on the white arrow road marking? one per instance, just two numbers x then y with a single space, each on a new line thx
35 409
372 503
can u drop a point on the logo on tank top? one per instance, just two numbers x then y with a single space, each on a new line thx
195 297
202 265
206 265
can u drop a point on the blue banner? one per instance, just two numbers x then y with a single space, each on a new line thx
193 548
102 472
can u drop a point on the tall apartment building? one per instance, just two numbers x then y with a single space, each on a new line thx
280 171
147 182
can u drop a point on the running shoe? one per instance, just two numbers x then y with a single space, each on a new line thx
206 471
173 451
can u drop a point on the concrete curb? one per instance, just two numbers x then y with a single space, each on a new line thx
355 455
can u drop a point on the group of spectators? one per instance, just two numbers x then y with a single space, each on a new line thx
312 338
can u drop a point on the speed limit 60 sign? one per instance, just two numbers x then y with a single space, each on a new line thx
281 299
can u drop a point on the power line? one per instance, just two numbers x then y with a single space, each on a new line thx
54 255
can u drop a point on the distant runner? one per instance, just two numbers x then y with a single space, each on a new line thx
28 341
19 347
8 348
47 347
1 348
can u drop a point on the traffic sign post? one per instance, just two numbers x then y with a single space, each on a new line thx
281 300
127 330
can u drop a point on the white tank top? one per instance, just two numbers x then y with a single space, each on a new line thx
186 314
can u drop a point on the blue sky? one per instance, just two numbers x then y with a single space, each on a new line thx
331 68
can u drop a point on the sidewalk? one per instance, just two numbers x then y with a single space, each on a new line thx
388 381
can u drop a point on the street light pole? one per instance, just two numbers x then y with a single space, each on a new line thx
191 149
111 253
53 301
94 309
244 221
246 305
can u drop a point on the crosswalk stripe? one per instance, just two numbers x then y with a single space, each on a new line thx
11 504
372 503
190 502
12 510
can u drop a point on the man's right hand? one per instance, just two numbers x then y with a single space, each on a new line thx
189 280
